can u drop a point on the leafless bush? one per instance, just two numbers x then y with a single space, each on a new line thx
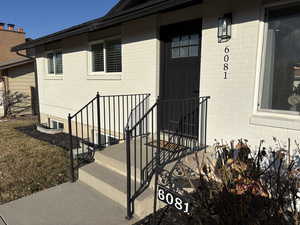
249 187
16 103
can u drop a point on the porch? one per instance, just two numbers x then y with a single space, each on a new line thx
120 162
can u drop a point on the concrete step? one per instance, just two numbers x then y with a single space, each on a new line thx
113 185
114 158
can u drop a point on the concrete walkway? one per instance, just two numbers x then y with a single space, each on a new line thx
67 204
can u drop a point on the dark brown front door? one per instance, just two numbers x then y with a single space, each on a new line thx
180 75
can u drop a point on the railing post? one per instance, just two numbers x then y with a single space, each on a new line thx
128 165
98 120
158 127
71 148
157 157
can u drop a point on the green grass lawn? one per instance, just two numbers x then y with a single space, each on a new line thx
28 165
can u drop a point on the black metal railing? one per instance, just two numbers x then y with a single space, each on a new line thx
170 130
101 123
2 220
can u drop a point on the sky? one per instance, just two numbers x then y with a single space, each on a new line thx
40 17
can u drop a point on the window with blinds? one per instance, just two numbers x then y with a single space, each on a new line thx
113 56
55 63
106 56
97 57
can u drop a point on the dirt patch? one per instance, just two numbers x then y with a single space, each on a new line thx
27 164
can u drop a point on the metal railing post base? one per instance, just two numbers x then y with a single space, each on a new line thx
71 149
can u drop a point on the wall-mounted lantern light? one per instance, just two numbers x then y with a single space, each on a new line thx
224 28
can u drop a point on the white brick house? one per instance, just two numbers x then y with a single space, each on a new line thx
177 50
241 106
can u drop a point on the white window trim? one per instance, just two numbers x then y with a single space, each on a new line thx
102 75
90 58
265 117
53 76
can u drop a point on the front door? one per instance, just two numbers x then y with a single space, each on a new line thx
180 76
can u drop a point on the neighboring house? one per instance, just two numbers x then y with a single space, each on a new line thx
18 77
19 86
171 49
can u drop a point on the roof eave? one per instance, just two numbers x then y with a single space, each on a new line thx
107 21
10 65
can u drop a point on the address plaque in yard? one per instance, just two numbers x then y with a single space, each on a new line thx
172 184
173 199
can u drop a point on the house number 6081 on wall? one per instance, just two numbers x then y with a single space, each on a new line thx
226 61
173 199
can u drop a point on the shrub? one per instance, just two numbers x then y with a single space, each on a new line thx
238 185
248 187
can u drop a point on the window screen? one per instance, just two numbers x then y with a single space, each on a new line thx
58 63
54 125
60 125
57 125
55 63
50 57
113 56
98 57
281 81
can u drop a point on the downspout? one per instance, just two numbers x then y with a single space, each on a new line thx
36 82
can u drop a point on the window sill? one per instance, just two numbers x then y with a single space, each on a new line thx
105 76
54 77
290 122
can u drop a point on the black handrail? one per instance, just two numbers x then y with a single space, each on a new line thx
142 104
101 122
2 219
90 102
142 118
157 142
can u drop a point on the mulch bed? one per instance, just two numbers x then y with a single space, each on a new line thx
61 140
168 216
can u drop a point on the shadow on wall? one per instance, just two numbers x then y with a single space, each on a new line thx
16 103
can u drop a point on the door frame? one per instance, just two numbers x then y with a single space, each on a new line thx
164 32
166 28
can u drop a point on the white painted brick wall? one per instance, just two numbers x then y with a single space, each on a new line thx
139 49
232 101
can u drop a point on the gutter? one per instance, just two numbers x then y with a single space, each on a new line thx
36 83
